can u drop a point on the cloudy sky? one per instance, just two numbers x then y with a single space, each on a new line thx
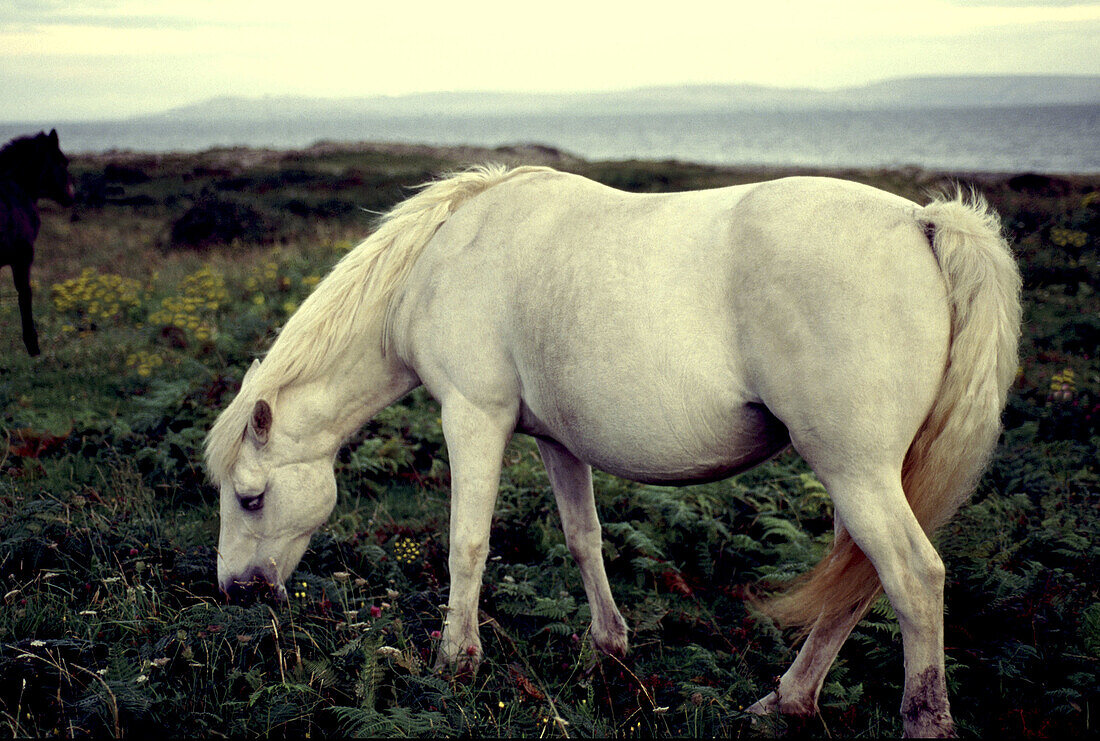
87 59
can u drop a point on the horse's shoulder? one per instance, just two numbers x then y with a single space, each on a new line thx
10 190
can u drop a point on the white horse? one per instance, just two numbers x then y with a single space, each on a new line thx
668 338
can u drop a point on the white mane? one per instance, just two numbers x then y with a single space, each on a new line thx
363 281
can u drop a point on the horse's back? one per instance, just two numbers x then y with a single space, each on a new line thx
645 331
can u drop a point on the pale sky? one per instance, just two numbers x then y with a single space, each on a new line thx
72 60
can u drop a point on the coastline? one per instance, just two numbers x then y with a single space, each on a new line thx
535 153
1050 139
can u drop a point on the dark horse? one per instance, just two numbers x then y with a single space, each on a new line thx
31 167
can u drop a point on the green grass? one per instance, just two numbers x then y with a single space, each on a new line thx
110 621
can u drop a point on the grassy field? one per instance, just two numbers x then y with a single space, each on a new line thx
172 272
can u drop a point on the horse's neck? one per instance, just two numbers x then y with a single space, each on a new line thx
25 182
14 169
332 407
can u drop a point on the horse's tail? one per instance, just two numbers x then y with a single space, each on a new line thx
952 447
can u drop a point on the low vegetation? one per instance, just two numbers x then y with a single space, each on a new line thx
153 296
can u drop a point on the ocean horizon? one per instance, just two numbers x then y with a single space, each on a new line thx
1059 139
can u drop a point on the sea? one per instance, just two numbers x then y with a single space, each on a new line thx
1048 139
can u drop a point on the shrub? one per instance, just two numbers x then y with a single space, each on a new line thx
217 219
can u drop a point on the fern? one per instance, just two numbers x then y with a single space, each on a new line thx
634 538
403 721
704 558
361 722
814 500
841 696
1090 629
559 629
555 609
777 528
746 543
888 629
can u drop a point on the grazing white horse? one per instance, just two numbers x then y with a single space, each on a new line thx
667 338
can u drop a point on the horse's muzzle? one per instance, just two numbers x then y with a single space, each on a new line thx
66 196
252 588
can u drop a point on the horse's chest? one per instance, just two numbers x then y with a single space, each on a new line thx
19 222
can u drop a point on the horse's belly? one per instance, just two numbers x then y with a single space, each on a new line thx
652 445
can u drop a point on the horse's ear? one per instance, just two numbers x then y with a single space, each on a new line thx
53 135
250 372
260 425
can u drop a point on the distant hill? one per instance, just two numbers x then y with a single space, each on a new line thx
909 92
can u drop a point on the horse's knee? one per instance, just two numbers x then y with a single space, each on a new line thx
917 595
584 543
935 572
468 559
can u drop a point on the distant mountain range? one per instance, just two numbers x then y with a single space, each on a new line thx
909 92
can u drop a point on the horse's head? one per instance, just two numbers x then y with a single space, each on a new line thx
273 496
54 181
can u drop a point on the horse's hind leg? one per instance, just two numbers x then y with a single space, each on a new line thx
873 508
572 483
21 272
800 685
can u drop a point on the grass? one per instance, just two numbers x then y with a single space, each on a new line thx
111 624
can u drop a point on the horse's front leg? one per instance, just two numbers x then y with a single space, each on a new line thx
572 483
476 437
21 272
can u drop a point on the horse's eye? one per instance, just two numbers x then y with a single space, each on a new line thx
251 504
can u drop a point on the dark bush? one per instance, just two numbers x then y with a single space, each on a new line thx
92 189
1077 335
124 174
1040 185
215 219
326 208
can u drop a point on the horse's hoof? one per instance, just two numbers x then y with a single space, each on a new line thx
930 725
773 703
765 705
924 710
461 663
609 636
612 644
937 729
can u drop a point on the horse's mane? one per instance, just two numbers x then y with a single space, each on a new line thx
14 152
25 152
363 282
